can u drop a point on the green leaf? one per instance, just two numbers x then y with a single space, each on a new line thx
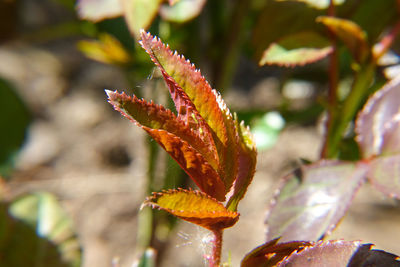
351 35
14 121
97 10
195 207
35 231
182 11
139 14
320 4
280 19
296 50
312 200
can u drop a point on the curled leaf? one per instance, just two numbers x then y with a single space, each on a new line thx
378 124
313 199
350 33
195 207
296 50
272 252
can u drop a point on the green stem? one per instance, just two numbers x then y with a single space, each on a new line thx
230 47
215 259
359 90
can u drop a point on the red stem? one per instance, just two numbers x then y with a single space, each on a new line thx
333 84
215 259
387 41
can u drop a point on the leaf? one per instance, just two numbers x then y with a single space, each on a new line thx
195 207
107 50
316 254
340 253
312 200
14 118
36 231
97 10
320 4
175 137
271 253
247 160
296 50
280 19
177 70
350 33
182 11
378 124
139 14
384 175
157 117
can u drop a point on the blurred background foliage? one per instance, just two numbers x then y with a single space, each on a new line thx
227 40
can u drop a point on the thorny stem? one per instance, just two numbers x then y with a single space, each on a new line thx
215 258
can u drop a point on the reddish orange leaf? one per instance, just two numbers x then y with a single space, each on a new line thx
155 116
175 137
195 207
189 82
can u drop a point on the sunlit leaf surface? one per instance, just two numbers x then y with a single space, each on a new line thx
182 11
378 124
340 253
350 34
321 4
195 207
35 231
139 14
384 175
313 199
315 254
97 10
296 50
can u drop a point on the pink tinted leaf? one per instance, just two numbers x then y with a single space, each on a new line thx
340 253
139 14
182 11
312 200
350 34
97 10
378 124
177 70
384 175
195 207
271 253
296 50
175 137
